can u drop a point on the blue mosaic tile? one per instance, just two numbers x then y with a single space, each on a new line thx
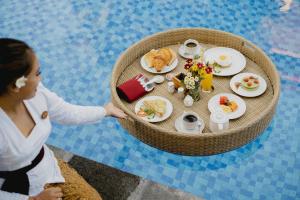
78 43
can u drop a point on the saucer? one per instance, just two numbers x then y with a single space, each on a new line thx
180 128
187 55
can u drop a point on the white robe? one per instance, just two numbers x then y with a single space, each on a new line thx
17 151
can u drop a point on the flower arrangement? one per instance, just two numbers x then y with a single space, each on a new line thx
197 71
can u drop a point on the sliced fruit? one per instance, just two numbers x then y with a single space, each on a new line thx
226 109
233 106
223 100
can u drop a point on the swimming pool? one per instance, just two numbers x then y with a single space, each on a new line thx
79 41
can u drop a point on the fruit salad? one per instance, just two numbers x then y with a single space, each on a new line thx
227 105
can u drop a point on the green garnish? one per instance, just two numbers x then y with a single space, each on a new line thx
216 68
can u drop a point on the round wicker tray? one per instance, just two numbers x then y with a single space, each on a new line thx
163 135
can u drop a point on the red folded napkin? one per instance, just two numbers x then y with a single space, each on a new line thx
131 89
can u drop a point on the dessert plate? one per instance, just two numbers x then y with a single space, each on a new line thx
214 103
240 90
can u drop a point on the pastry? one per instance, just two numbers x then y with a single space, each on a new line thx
160 58
250 83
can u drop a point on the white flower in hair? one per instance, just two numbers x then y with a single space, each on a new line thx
21 82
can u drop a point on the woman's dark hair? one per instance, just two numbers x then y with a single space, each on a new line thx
16 59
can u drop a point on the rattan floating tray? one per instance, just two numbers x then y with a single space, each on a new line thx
163 135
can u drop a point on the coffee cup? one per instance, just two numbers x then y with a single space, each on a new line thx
191 120
191 47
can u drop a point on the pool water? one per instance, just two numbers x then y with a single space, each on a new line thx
78 42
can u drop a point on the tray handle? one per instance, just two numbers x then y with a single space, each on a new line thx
130 119
248 46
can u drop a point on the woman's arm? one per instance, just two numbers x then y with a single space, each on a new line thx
12 196
66 113
47 194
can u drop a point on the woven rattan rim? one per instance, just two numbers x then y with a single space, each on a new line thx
183 34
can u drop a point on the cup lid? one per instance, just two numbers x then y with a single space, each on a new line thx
219 117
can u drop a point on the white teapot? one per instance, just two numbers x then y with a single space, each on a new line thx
218 121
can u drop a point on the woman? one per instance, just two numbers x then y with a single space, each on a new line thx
28 168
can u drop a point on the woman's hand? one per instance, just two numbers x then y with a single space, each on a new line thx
112 110
49 194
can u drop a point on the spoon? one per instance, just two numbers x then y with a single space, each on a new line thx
151 83
156 79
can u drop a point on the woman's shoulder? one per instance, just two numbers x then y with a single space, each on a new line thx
40 91
41 87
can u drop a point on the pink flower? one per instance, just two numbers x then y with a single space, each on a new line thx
187 66
200 65
208 70
189 60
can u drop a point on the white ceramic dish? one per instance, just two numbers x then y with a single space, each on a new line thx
214 104
243 91
238 60
169 108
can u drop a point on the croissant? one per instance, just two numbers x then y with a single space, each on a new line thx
160 58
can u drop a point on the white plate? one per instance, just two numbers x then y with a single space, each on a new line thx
187 55
180 128
169 108
244 92
165 69
238 60
214 104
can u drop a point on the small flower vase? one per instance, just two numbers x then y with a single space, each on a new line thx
195 93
